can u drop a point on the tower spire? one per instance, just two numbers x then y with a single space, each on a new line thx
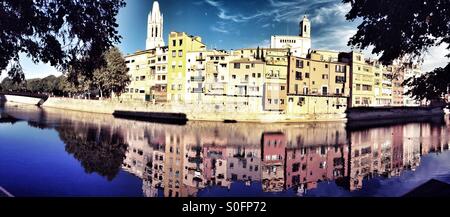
155 28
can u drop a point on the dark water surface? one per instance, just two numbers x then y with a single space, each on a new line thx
47 152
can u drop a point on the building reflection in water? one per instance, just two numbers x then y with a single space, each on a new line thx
181 161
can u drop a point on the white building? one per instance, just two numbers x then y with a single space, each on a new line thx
155 29
298 45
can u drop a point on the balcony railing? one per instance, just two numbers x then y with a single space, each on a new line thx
197 78
197 90
200 58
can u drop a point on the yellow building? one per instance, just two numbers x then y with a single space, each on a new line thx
382 84
317 86
361 78
217 73
148 71
275 87
180 44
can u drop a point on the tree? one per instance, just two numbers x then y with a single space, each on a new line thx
399 29
114 76
58 32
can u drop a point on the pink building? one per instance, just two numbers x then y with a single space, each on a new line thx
273 161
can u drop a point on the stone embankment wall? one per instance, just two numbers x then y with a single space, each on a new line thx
20 99
203 112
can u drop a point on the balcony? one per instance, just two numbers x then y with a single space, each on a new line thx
200 58
197 78
197 90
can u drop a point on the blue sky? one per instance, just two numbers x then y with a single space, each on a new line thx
231 24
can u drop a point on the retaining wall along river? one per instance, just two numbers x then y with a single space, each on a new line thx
227 113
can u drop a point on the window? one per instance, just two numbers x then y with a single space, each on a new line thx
325 77
181 42
259 75
338 91
358 87
326 66
233 76
173 87
237 65
163 77
246 77
253 75
174 53
180 53
142 78
276 101
306 75
298 75
340 79
282 87
324 90
282 101
366 87
305 90
180 87
174 43
142 91
307 63
247 66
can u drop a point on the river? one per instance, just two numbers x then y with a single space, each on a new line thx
49 152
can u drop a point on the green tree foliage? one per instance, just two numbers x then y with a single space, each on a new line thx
114 77
404 29
58 32
99 149
111 78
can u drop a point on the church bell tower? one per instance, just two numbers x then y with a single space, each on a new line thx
155 29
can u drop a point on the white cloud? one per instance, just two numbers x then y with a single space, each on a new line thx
219 29
435 58
334 39
263 44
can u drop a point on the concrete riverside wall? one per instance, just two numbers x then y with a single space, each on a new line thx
20 99
203 112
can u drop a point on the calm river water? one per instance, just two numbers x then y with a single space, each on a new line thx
47 152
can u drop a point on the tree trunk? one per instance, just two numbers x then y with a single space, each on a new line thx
101 92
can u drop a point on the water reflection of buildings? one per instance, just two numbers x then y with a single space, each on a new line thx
181 161
195 161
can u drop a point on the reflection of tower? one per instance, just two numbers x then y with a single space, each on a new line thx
155 29
397 150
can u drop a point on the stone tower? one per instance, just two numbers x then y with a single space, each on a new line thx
305 28
155 29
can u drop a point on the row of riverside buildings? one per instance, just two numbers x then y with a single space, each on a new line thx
288 77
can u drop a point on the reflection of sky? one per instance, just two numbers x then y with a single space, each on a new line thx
34 162
432 166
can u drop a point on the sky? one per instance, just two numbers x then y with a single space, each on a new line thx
232 24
